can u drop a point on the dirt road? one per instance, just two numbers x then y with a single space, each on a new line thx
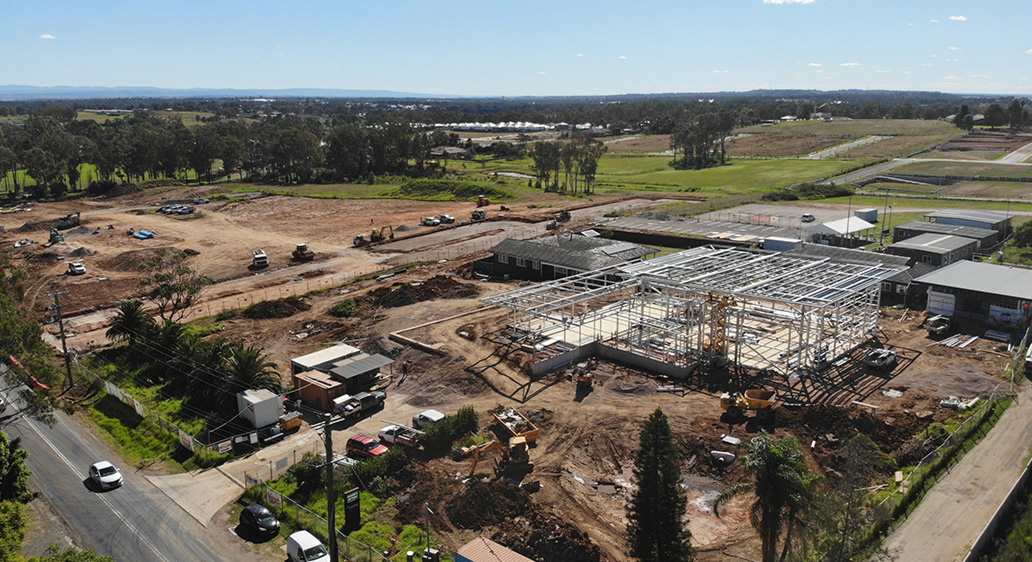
950 517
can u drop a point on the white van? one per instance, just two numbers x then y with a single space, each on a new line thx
426 418
302 546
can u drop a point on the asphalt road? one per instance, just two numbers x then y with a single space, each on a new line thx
135 522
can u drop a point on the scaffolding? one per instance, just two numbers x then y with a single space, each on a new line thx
761 310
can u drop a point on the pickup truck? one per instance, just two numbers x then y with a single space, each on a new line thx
937 324
398 435
360 403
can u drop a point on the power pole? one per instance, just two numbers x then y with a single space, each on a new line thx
331 501
60 324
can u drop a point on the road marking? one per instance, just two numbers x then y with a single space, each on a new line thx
105 500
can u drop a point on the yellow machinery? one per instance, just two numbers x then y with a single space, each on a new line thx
756 399
515 457
482 201
718 323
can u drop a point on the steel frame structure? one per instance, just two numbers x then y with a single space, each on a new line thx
761 310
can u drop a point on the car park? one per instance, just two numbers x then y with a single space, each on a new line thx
302 546
365 447
259 519
105 476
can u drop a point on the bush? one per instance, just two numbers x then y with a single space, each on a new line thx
344 308
449 190
439 437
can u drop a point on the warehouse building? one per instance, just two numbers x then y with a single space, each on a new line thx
934 249
998 295
985 237
992 220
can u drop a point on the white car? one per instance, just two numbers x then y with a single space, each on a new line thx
105 475
76 268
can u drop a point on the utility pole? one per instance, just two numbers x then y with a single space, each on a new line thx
331 501
60 325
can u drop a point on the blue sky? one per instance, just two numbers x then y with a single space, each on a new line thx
526 47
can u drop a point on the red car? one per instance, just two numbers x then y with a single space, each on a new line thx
364 446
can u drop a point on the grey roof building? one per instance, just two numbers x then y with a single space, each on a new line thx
998 294
897 288
993 220
986 237
935 249
553 257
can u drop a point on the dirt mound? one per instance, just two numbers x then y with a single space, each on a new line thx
38 225
131 260
487 503
546 537
79 252
437 287
280 308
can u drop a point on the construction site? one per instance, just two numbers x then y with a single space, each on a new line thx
584 358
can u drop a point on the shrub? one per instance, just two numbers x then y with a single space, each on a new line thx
344 308
439 437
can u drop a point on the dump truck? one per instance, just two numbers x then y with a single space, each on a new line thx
302 253
517 424
259 259
758 400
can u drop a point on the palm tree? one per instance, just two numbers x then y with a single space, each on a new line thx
207 382
784 488
249 368
130 323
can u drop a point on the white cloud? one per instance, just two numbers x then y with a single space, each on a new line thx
851 64
952 60
788 1
580 54
952 77
1028 52
47 36
954 48
933 21
817 64
541 72
884 72
958 18
622 57
979 76
926 64
721 71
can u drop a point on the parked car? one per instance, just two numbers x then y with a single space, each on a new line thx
445 219
105 476
199 200
426 418
76 268
3 404
430 221
808 218
365 446
259 519
302 546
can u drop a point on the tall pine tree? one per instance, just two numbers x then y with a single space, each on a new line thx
657 526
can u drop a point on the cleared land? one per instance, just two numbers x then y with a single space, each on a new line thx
802 138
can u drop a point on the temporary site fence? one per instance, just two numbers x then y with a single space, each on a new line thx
285 507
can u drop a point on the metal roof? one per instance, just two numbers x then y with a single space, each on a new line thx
481 549
970 214
842 227
954 229
575 252
849 255
935 243
360 366
982 277
325 356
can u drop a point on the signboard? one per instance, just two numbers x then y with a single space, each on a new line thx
185 440
251 480
352 512
138 407
225 446
275 498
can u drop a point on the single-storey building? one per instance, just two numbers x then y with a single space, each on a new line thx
985 237
992 220
554 257
449 152
359 372
486 550
848 232
318 389
999 295
935 249
323 359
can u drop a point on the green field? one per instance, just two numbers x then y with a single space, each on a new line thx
189 118
804 137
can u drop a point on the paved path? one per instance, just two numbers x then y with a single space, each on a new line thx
836 149
953 513
1018 156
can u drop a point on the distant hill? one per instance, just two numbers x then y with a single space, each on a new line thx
16 92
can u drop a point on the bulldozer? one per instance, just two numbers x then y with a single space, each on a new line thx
68 221
514 459
482 201
302 253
